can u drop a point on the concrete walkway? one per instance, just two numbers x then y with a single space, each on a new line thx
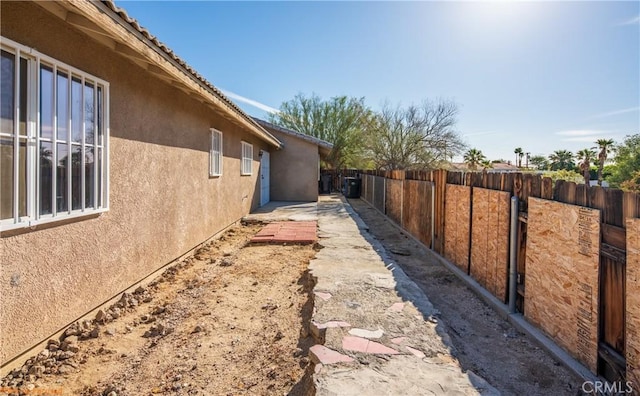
376 331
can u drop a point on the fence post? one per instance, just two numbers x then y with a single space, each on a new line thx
513 255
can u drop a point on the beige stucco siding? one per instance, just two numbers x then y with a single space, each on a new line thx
162 200
294 170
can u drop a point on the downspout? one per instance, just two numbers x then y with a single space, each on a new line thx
513 255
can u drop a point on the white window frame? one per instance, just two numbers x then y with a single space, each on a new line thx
33 139
246 165
215 153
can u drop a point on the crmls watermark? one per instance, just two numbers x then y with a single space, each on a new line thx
607 388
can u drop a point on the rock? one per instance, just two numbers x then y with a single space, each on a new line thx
71 363
112 393
100 316
70 340
158 310
53 347
44 354
110 331
278 336
71 331
197 329
53 342
66 355
133 302
139 290
95 333
37 370
65 369
147 299
226 262
115 312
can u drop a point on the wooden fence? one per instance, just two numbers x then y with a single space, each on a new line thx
457 215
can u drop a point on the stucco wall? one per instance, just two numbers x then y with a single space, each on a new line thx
294 170
162 200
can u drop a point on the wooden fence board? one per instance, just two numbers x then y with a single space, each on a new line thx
481 232
490 240
563 245
378 193
417 208
633 301
457 225
440 183
393 200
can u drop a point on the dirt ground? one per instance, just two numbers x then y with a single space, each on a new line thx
485 343
229 320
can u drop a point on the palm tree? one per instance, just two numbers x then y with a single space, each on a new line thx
605 146
519 153
585 156
486 164
561 159
473 158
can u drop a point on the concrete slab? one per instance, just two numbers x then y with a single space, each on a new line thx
284 211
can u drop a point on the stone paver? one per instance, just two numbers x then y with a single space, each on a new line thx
364 333
322 354
322 295
358 344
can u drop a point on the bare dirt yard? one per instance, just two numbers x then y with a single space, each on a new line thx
232 319
485 343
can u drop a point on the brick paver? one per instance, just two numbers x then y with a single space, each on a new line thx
299 232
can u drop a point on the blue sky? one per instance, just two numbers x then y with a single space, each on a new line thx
538 75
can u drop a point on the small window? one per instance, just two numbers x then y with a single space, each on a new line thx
215 155
247 159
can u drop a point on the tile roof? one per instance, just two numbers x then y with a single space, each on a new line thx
312 139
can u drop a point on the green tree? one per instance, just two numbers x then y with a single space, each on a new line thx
473 158
605 146
585 156
627 161
540 162
561 159
519 153
339 120
416 137
564 174
633 184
